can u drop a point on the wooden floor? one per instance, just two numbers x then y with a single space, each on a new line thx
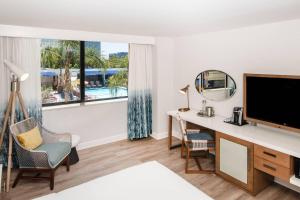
102 160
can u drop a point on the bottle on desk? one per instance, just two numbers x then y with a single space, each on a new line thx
203 105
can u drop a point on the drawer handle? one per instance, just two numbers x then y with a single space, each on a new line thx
270 154
269 167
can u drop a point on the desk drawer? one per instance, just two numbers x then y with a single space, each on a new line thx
275 157
272 168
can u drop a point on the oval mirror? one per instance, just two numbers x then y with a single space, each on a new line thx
215 85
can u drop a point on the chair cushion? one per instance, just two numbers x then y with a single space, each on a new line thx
199 136
199 141
56 151
75 140
30 139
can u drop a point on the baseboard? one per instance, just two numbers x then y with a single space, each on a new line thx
101 141
162 135
159 136
288 185
115 138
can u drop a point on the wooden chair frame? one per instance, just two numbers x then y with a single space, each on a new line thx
37 161
38 172
185 148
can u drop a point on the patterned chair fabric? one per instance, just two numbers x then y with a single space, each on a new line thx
198 140
54 149
195 139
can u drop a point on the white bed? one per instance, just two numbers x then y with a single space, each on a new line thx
148 181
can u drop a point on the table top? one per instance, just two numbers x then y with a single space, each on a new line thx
284 141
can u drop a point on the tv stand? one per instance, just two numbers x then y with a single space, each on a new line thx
261 153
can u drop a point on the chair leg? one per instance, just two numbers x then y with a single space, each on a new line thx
187 160
182 148
20 173
207 154
200 169
52 174
68 163
198 164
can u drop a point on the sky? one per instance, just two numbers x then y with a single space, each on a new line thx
110 47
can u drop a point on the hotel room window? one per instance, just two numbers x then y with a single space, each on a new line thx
78 71
106 70
60 73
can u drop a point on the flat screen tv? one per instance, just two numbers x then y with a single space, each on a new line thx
272 100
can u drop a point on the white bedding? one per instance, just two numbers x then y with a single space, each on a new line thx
148 181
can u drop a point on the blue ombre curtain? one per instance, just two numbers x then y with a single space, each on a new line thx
24 53
140 91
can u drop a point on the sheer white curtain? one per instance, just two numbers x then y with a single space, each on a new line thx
24 53
140 91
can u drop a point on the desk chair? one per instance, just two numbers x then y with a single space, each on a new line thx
195 142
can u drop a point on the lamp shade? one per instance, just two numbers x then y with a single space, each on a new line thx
16 70
184 90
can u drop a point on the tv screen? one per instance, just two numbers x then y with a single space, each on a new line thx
274 99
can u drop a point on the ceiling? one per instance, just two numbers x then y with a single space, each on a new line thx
147 17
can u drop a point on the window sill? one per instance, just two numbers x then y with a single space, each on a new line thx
92 103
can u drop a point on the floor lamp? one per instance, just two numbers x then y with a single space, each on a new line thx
17 76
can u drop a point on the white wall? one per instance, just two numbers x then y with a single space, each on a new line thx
271 48
163 73
96 123
105 122
36 32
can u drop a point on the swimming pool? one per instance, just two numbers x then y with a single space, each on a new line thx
105 92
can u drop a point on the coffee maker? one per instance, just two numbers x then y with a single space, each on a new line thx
237 117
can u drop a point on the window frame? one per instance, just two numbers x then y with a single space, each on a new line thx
82 85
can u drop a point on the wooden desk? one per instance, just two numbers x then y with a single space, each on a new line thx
170 134
245 139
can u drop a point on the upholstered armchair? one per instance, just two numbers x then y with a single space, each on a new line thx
47 157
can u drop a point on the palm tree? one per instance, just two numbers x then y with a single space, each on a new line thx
118 62
68 49
66 56
93 59
50 57
118 80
